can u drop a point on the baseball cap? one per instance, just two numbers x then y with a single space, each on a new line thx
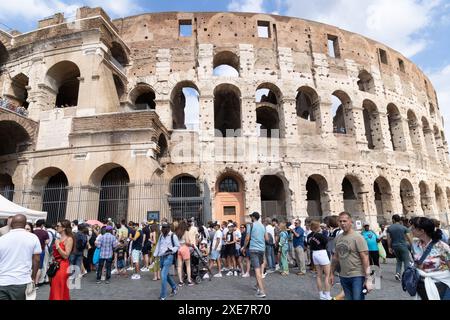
366 224
109 228
230 225
256 215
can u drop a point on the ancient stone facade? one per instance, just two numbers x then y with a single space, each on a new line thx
317 119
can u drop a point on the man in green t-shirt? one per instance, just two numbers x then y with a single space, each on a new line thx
398 237
352 256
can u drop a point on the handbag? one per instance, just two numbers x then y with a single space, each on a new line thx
411 277
96 256
53 269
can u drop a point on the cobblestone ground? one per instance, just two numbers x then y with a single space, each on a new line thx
292 287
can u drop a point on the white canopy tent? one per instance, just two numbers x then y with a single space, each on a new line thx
8 209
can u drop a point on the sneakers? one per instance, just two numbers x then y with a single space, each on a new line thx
264 275
162 299
174 292
398 277
130 269
135 276
277 267
270 271
260 294
190 283
245 275
115 271
230 273
180 284
325 296
151 266
145 269
224 270
219 275
98 282
235 274
206 276
300 273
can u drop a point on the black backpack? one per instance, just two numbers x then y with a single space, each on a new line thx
81 242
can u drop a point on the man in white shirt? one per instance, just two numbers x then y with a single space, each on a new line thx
19 260
270 254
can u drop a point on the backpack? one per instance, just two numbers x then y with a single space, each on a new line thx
81 242
411 277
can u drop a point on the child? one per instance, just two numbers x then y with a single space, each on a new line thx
120 258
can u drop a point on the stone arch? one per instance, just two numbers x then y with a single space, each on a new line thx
425 199
307 104
162 149
274 196
18 92
317 197
224 62
395 128
120 87
14 138
63 80
7 186
28 125
414 130
383 199
429 138
407 197
185 106
239 179
439 143
268 122
366 82
118 53
342 113
372 125
227 109
352 189
98 173
268 93
440 202
185 197
143 97
229 196
432 111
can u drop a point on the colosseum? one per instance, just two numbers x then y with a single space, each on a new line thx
215 115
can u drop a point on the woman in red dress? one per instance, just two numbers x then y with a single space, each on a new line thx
62 249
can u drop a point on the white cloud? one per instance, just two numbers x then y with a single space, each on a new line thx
440 80
395 23
246 5
116 8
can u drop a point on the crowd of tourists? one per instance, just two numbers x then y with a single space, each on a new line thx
185 253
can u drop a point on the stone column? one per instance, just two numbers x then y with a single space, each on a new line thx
289 115
324 119
248 121
385 133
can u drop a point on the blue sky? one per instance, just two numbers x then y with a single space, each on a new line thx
417 28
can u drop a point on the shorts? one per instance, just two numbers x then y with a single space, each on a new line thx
147 248
320 258
121 264
184 253
136 255
230 251
257 258
215 255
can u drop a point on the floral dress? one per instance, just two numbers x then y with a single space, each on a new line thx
436 260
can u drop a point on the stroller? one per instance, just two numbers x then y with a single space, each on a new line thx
199 266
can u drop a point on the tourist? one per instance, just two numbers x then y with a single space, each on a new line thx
136 251
318 244
81 243
216 249
270 252
120 254
256 240
299 247
107 243
62 249
352 256
165 249
74 226
372 240
4 230
44 239
237 236
184 254
398 238
29 227
230 250
20 252
434 272
335 231
147 246
243 254
284 249
154 266
276 229
437 224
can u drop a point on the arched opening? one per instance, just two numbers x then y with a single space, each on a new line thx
54 198
120 87
6 186
63 78
14 138
341 111
229 197
20 92
185 105
432 111
4 56
366 82
351 188
185 199
439 143
307 104
226 64
113 200
439 201
429 139
119 55
414 130
143 97
407 197
425 199
383 200
227 111
395 128
372 125
267 93
316 197
268 122
163 150
273 197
